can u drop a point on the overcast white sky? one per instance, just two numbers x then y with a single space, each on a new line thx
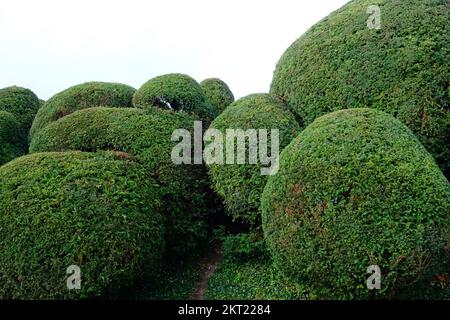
49 45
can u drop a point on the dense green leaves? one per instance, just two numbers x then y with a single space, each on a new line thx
100 212
402 69
176 92
241 185
82 96
355 189
218 93
11 145
146 135
23 104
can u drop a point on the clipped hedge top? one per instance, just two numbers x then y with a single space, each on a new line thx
91 210
146 135
10 143
218 93
241 185
22 103
355 189
82 96
142 133
176 92
402 69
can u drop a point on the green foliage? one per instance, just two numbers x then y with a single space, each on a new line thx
82 96
145 134
402 69
247 273
10 143
251 280
23 104
177 92
218 93
245 246
354 189
96 211
241 185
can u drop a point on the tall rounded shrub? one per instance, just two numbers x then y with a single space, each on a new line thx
23 104
401 68
218 93
146 135
176 92
356 189
82 96
241 185
93 211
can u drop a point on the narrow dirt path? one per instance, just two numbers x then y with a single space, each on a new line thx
209 265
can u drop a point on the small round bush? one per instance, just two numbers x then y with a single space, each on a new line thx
23 104
145 134
176 92
10 143
94 211
402 68
241 185
355 189
82 96
218 93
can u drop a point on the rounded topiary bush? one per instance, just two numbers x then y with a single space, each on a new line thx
402 68
82 96
355 189
176 92
10 143
241 185
95 211
23 104
145 134
218 93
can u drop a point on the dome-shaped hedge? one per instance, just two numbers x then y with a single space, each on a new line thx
23 104
356 189
218 93
241 185
11 145
82 96
145 134
177 92
95 211
402 68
